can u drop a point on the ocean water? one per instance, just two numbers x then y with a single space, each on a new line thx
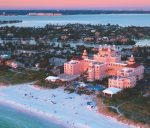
13 118
41 21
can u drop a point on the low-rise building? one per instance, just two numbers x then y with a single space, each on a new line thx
122 82
11 63
111 91
52 79
14 64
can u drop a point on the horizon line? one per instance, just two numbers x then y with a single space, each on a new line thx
80 9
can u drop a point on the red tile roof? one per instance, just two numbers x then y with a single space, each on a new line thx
77 58
106 49
133 65
103 49
95 49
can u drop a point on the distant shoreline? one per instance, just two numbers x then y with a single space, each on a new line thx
123 20
73 12
2 22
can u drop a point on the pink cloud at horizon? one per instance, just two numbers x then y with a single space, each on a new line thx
76 4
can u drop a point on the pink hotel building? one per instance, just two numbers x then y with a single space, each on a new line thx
107 62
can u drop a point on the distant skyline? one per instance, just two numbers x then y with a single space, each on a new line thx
75 4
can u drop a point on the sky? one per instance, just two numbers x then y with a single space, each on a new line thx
76 4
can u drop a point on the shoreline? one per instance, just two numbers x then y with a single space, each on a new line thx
103 110
24 108
100 19
67 113
31 111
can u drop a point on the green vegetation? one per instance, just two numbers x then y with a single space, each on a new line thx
69 89
10 76
138 109
17 76
82 90
46 84
133 103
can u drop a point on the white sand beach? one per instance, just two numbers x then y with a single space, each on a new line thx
70 110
